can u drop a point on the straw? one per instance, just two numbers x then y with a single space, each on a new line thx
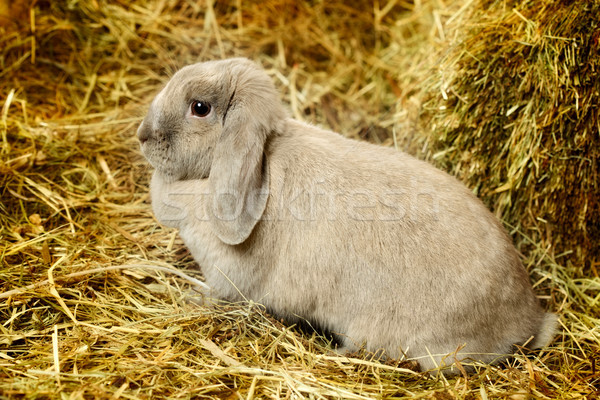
97 300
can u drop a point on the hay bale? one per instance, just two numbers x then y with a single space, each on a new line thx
513 111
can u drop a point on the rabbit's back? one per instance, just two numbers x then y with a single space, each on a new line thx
407 257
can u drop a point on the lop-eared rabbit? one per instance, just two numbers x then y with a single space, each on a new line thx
380 248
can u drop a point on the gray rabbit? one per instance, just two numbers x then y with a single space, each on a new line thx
380 248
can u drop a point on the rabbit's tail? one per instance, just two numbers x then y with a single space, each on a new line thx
546 332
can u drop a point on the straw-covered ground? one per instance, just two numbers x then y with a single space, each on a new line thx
94 293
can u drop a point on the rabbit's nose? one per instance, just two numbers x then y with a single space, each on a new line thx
143 133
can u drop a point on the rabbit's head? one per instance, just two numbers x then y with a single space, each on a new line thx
211 121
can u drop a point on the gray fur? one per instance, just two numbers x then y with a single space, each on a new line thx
380 248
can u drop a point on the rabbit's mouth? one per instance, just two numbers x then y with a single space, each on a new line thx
159 160
172 168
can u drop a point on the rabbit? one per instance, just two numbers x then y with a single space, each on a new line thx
381 249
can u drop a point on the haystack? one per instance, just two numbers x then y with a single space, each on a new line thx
513 110
95 295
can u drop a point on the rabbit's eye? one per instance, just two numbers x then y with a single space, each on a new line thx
200 108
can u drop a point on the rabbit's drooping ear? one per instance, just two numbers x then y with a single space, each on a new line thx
239 176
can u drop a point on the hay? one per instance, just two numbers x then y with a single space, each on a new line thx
79 319
513 111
